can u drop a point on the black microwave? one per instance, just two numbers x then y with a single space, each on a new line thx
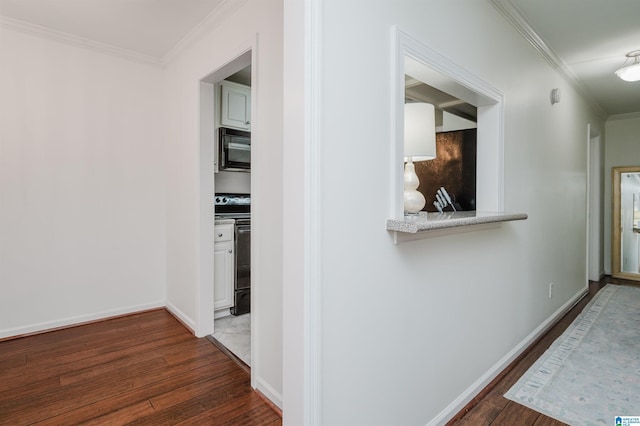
235 150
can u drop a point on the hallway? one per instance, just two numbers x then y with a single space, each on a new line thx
492 408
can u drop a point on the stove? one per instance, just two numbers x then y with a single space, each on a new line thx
234 206
238 207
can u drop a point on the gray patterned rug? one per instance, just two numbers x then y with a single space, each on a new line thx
591 373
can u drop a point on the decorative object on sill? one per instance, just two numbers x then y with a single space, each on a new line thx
555 96
419 145
443 199
630 72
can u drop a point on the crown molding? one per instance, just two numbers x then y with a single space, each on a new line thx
628 116
516 18
73 40
225 9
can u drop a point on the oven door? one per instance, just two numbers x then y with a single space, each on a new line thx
242 282
235 150
243 255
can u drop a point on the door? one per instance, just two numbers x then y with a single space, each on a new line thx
625 218
236 106
243 257
223 275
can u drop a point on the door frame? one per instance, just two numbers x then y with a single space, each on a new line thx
594 250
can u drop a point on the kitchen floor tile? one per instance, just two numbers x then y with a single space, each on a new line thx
235 334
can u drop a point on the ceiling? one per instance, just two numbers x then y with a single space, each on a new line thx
587 39
418 91
590 38
148 27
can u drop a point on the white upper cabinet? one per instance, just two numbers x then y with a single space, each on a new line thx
236 105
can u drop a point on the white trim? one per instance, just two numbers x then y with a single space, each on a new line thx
269 392
396 150
205 224
588 190
404 237
74 40
221 313
594 204
218 15
78 320
418 60
456 406
628 116
186 321
313 202
256 286
205 185
516 18
225 9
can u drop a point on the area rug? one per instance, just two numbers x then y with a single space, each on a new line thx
591 374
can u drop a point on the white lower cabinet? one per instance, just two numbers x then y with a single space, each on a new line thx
223 268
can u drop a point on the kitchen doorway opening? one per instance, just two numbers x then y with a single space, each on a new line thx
216 296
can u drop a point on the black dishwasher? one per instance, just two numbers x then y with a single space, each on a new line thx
242 284
238 207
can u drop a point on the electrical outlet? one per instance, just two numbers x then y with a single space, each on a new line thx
550 290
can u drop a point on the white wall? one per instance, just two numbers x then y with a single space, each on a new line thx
233 182
82 204
257 23
298 389
621 149
407 330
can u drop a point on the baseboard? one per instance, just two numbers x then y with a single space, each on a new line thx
221 313
76 320
269 392
467 396
270 403
181 316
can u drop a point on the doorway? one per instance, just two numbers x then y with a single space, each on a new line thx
625 217
214 301
595 213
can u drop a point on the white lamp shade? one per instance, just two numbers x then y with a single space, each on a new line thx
419 132
630 72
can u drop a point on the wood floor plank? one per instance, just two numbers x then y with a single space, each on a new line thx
514 415
28 374
120 416
146 361
14 361
145 368
481 415
548 421
173 408
167 385
241 413
193 390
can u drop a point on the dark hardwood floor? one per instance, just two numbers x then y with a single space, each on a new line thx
142 369
492 408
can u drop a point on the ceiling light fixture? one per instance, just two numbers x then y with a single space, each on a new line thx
630 72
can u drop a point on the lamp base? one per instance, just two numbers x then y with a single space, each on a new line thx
414 201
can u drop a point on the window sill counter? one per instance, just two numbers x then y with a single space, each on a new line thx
427 225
